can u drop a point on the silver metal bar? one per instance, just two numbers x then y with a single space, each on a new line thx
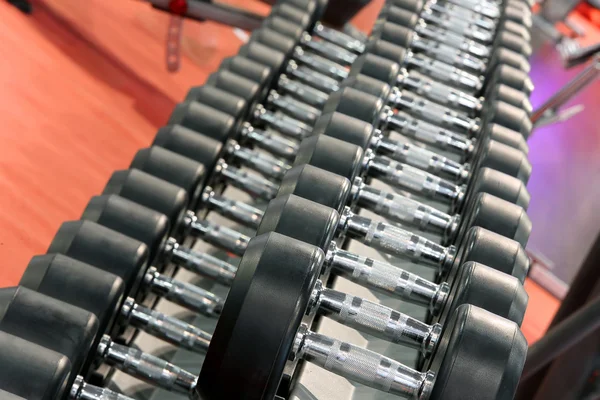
232 209
396 241
270 142
80 390
219 236
287 126
164 327
445 73
254 185
185 294
146 367
263 163
296 109
307 94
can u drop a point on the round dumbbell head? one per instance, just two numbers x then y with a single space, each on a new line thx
487 288
315 9
48 322
193 145
131 219
510 76
300 219
495 251
298 15
274 40
264 55
499 216
478 341
104 248
249 90
316 184
411 5
346 128
503 56
511 96
505 159
514 42
204 119
376 88
332 155
219 99
79 284
250 69
32 371
378 68
385 49
500 185
507 136
354 102
284 26
151 192
250 346
174 168
399 16
509 116
394 33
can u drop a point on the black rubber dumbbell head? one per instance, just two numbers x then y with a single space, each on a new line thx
263 54
150 192
79 284
204 119
190 144
131 219
219 99
505 159
412 5
487 288
346 128
378 68
354 102
510 117
302 16
174 168
493 250
300 219
32 371
510 76
332 155
231 82
501 348
500 185
104 248
250 69
284 26
278 274
507 136
318 185
48 322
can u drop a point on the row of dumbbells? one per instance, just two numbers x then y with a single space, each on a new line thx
310 110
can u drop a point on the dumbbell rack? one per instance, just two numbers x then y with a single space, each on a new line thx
302 380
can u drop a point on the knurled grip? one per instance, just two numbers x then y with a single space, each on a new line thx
320 64
387 278
365 366
271 142
405 210
287 126
313 78
406 177
146 367
295 108
221 236
189 296
438 92
268 166
447 73
309 95
339 38
375 319
169 329
252 184
333 52
428 133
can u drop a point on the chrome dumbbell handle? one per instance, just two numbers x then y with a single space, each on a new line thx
448 54
387 278
185 294
295 108
169 329
363 366
265 164
404 151
405 210
396 241
305 93
254 185
481 30
271 142
445 73
339 38
287 126
217 235
430 134
146 367
376 319
308 75
320 64
232 209
80 390
405 177
331 51
440 93
452 39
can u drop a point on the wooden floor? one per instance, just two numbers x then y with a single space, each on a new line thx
83 87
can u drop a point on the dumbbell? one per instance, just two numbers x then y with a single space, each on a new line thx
412 20
390 72
280 277
346 162
515 11
180 140
139 186
125 257
370 110
29 371
72 331
203 118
